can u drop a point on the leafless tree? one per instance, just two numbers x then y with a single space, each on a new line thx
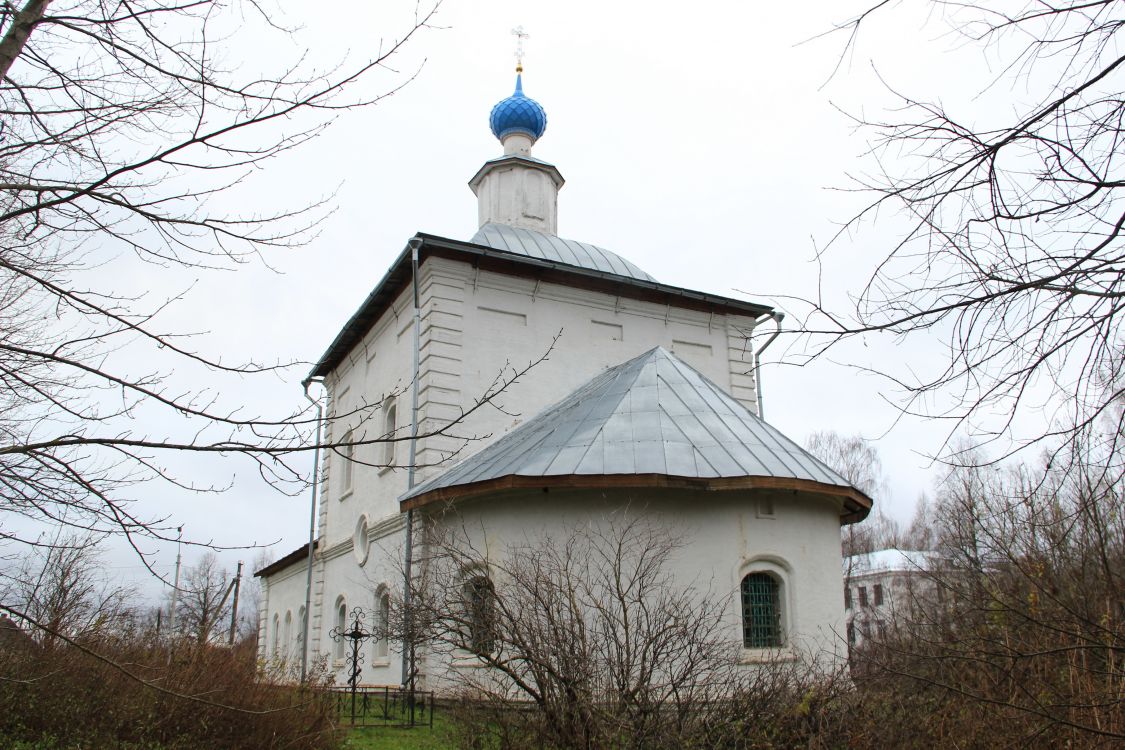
122 126
852 457
588 627
1013 253
1021 630
63 585
204 602
857 461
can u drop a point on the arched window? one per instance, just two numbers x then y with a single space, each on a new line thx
276 636
341 625
288 637
761 611
480 611
390 424
382 622
347 466
302 626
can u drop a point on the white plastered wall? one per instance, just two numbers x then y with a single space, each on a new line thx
283 593
726 539
479 325
475 326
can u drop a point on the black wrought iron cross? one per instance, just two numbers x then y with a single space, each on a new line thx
357 635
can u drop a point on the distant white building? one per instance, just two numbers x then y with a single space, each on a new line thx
656 409
881 586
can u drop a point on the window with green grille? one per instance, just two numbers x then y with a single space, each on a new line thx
761 611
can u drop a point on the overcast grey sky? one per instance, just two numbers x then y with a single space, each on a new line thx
701 141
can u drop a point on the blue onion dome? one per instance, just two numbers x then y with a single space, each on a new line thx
518 114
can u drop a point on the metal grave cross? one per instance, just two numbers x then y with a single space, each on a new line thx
357 635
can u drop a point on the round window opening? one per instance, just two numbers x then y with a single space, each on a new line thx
360 544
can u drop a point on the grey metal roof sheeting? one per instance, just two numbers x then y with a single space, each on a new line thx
651 415
549 247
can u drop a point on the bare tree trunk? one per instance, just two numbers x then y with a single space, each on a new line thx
16 37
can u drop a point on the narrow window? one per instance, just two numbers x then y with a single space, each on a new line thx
276 635
302 626
862 595
847 597
878 594
765 507
851 633
382 624
287 638
480 615
390 423
347 453
761 611
341 626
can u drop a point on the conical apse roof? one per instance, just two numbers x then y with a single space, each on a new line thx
651 416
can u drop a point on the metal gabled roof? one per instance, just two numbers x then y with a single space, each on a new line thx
652 416
549 247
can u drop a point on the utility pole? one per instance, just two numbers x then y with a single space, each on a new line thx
234 606
176 585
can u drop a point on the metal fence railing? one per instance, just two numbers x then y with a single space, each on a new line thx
384 706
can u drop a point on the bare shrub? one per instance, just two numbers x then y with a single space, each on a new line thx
586 640
589 628
1020 634
79 668
136 693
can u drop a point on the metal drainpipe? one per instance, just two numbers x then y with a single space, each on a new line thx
312 532
408 643
777 317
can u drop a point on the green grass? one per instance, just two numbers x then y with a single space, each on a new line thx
396 738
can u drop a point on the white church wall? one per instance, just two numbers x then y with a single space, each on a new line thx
284 595
727 538
520 196
359 584
373 373
356 572
379 366
474 324
477 324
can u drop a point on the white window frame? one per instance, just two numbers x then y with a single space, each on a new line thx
287 638
346 454
340 619
781 571
390 427
382 652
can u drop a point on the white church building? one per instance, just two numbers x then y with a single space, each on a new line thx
647 399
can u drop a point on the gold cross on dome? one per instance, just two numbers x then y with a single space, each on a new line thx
520 35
